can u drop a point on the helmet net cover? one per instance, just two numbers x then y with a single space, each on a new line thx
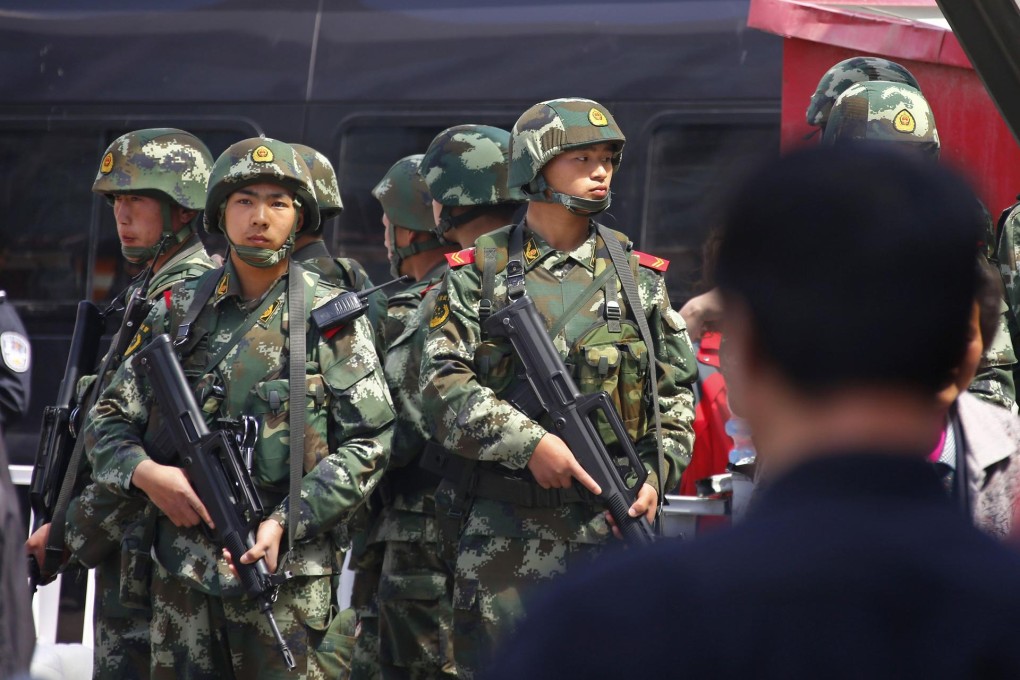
849 72
160 162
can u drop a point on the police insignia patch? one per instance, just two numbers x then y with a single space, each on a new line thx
442 311
107 164
15 351
597 118
262 154
531 252
221 289
904 122
136 341
268 314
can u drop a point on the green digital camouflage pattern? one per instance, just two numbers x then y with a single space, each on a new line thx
506 548
405 197
347 435
1007 256
848 72
549 128
467 165
366 560
327 189
114 534
256 160
200 637
349 274
994 381
882 112
407 630
171 162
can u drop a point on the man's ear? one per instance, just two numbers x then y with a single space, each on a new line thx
184 216
300 219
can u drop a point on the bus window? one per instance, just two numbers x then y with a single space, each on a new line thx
45 181
691 166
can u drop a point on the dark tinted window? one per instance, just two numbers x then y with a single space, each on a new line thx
691 167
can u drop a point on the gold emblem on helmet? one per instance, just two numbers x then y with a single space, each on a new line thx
597 118
904 122
107 164
262 154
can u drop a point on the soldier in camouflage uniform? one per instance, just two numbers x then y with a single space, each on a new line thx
234 348
155 180
879 112
514 497
384 577
310 248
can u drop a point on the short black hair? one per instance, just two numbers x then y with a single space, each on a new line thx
857 265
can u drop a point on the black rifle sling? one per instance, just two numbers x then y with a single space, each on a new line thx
296 358
630 291
961 476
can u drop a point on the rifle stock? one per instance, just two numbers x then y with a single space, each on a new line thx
573 414
216 471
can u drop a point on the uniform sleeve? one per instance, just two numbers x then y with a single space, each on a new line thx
464 416
361 418
677 370
994 380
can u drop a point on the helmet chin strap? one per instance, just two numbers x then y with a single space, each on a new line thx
540 191
448 221
139 254
401 253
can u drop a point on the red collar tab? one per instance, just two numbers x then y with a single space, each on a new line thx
652 262
461 257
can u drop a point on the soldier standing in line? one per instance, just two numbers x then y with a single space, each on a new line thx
310 248
155 180
413 251
235 328
896 113
518 493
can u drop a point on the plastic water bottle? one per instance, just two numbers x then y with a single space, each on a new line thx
739 431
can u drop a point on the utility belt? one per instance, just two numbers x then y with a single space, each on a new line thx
473 479
406 481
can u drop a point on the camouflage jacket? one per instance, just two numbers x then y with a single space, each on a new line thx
97 520
463 374
347 432
995 379
345 272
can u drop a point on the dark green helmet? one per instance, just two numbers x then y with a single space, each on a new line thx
257 160
407 203
883 112
848 72
467 166
548 129
327 189
160 162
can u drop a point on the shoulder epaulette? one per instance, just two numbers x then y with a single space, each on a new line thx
651 261
461 257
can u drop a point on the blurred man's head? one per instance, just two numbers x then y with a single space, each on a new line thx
848 269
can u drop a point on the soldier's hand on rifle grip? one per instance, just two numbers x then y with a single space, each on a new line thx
646 503
36 544
267 544
554 466
169 489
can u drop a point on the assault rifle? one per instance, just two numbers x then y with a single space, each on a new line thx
545 386
217 471
57 434
58 457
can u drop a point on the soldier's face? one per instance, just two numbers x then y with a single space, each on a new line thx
261 216
585 172
139 220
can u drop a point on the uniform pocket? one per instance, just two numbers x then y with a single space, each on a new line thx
494 365
616 363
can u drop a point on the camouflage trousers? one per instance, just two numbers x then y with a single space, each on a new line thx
201 637
121 633
494 577
364 600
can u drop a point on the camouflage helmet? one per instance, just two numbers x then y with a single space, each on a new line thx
549 128
466 166
327 189
169 163
407 203
848 72
883 112
256 160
